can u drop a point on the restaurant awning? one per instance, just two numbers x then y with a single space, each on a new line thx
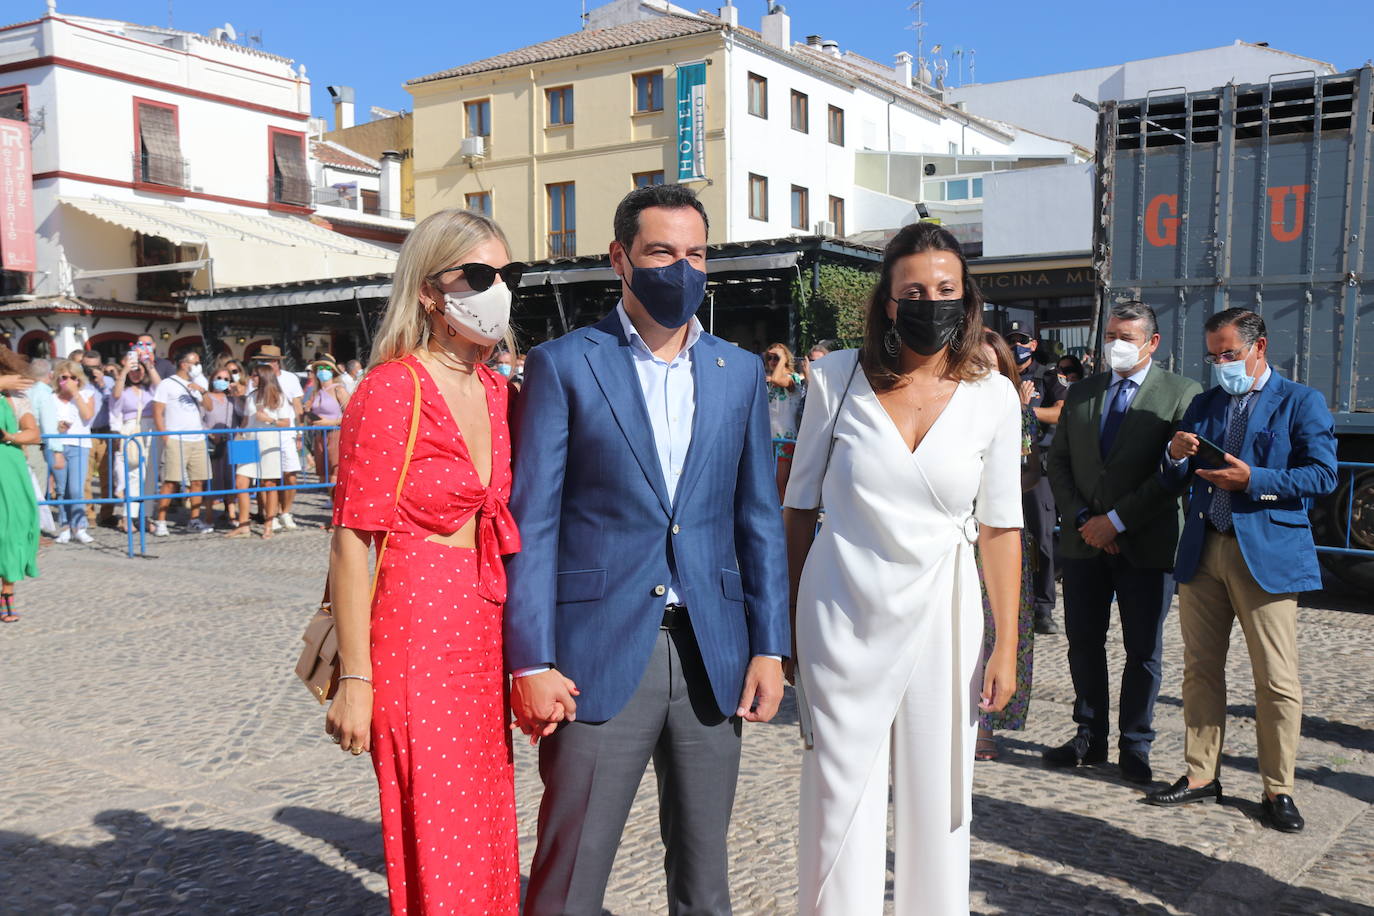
246 249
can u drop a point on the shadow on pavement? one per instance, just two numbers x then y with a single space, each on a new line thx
1166 871
1316 727
148 867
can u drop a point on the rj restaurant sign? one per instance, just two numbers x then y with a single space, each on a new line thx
16 197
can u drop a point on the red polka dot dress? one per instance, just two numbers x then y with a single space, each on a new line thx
440 744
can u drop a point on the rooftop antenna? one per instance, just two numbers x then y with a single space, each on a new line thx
584 15
918 26
959 56
169 14
972 64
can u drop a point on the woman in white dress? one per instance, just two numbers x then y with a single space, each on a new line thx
913 446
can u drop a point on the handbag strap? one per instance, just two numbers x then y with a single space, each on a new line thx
835 420
326 604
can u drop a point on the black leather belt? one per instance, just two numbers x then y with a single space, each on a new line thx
674 616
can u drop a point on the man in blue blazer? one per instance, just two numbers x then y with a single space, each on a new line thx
1246 551
652 574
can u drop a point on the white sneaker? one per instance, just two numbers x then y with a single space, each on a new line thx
83 537
276 523
160 530
196 526
287 521
65 537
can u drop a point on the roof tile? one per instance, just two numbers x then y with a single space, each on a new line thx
584 42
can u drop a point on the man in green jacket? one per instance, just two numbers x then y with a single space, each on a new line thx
1119 531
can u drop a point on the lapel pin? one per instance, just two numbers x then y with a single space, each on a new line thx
720 361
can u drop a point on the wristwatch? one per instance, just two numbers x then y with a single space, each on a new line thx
1083 516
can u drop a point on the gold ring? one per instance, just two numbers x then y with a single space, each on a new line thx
355 751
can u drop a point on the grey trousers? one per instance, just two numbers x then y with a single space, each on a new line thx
591 772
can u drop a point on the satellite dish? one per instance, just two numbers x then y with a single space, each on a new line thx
229 32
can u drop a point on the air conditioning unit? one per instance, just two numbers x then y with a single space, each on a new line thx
825 227
473 146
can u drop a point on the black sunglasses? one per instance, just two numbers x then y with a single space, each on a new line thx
481 276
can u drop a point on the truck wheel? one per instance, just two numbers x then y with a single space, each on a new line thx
1330 522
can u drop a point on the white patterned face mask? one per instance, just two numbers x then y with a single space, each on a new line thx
482 317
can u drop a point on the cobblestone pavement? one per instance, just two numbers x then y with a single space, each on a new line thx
158 756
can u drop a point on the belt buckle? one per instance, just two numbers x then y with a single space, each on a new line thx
970 529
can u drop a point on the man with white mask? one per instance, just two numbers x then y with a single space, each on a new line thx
1120 530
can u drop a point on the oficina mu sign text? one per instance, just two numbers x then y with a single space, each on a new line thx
691 121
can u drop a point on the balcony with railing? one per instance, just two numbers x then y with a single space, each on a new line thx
563 244
167 171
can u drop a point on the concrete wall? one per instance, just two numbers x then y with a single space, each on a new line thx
1038 211
1045 103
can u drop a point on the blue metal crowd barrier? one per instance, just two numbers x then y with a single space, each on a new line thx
132 442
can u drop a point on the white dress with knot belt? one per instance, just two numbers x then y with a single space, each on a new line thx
889 635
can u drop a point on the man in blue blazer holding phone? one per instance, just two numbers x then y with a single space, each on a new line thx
647 609
1246 551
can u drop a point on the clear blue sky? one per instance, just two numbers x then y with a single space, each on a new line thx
376 46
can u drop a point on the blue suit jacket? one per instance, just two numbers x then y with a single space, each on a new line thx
1290 445
598 530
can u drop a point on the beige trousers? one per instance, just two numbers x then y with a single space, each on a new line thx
1223 590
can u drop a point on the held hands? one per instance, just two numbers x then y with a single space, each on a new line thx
541 701
349 720
762 690
1099 532
999 678
1234 477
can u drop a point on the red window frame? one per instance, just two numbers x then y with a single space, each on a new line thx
272 133
23 90
139 183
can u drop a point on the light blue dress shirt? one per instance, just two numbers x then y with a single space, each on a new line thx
670 398
1139 378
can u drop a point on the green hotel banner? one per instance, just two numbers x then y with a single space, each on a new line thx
691 121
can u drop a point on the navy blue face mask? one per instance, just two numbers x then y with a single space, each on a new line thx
672 294
1022 353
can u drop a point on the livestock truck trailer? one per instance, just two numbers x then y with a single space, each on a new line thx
1257 196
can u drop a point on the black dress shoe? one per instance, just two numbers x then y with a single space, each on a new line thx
1281 814
1076 752
1135 767
1046 626
1180 794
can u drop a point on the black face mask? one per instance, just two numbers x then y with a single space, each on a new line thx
926 325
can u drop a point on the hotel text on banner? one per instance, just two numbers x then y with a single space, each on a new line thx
691 121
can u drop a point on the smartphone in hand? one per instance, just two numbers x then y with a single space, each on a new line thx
1209 453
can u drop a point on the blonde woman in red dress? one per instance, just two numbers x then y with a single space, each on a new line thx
422 685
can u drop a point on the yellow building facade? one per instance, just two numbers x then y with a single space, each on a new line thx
565 138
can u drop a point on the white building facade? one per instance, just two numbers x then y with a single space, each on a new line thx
153 147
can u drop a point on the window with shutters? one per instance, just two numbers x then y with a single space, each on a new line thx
14 103
562 220
758 96
290 180
836 119
837 215
758 197
478 202
801 207
801 112
157 145
648 91
560 105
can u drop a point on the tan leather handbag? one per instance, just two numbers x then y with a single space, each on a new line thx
318 665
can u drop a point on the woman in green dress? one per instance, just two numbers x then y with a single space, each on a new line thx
18 506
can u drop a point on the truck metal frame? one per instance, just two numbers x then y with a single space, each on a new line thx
1256 196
